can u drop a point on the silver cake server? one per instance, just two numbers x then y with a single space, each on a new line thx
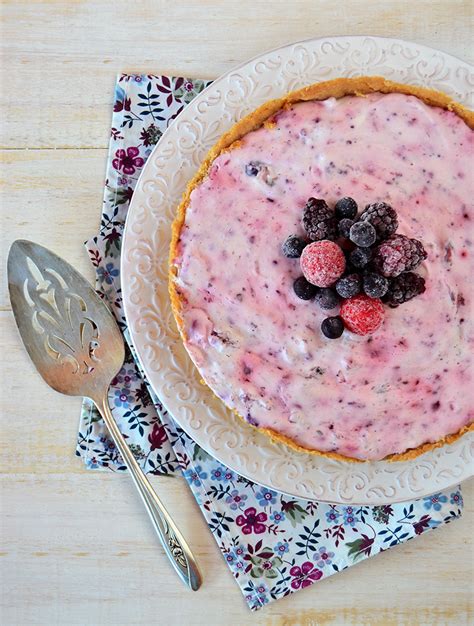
76 345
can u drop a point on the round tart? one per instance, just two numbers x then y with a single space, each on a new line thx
394 393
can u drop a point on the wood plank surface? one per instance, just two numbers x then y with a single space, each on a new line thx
77 547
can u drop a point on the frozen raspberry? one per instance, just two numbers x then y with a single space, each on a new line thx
382 217
322 263
398 254
404 288
362 315
318 220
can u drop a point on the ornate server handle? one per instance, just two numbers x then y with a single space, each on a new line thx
173 542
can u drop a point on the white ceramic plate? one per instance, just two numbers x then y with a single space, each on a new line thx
145 270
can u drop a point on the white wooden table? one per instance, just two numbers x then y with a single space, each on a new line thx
77 547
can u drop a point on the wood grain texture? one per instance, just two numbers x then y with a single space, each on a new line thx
60 58
77 547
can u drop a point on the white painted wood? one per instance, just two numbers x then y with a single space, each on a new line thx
60 58
76 546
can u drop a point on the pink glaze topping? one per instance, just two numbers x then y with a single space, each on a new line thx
260 348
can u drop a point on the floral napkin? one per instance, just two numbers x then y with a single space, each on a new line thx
273 544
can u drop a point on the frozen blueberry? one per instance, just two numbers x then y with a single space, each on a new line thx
344 227
332 327
293 247
360 257
303 289
348 286
253 168
363 234
374 285
346 208
327 298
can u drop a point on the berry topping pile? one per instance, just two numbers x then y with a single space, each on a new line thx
357 263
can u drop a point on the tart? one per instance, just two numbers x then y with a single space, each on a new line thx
394 393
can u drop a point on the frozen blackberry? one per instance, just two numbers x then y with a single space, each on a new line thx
344 227
398 254
382 217
403 288
360 257
348 286
326 298
374 285
346 208
293 247
319 221
332 327
303 289
362 234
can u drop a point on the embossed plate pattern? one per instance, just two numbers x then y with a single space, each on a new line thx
145 270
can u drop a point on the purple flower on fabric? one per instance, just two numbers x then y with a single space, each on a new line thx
435 501
282 547
195 475
216 474
230 558
188 86
137 78
122 397
251 521
323 557
305 575
332 516
228 475
266 496
239 551
108 273
277 517
108 444
127 161
456 499
234 556
235 499
92 463
129 377
349 516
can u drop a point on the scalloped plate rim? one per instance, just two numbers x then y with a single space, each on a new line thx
347 469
